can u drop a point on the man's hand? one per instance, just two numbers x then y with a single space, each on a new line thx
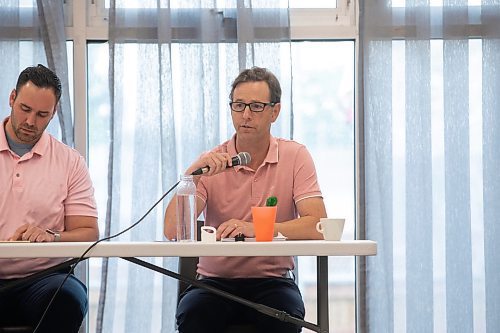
32 233
217 162
234 227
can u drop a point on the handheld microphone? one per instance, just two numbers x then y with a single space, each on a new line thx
242 158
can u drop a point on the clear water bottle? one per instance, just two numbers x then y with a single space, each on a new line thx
186 210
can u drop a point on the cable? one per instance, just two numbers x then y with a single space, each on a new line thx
82 257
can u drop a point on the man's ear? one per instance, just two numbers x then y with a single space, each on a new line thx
55 110
12 97
276 112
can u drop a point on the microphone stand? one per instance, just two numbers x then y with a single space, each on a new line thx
267 310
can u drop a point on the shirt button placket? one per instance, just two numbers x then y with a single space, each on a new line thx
256 190
17 181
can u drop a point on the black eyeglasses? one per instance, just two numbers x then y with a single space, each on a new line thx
254 106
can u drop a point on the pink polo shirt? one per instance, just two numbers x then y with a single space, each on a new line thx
288 173
41 187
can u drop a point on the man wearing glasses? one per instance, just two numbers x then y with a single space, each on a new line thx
278 167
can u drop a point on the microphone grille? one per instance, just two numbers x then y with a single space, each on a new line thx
245 158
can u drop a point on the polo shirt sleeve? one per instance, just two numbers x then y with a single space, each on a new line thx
305 179
80 199
201 190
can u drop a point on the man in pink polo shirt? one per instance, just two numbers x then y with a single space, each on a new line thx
46 196
278 167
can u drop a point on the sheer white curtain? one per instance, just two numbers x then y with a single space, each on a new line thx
431 83
171 65
34 34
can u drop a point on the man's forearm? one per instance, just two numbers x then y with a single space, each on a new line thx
84 234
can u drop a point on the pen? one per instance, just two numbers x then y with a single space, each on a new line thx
56 234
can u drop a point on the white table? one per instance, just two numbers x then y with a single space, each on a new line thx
196 249
131 250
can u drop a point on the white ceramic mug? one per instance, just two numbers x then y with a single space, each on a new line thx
331 228
208 234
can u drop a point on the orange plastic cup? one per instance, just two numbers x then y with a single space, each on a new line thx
263 223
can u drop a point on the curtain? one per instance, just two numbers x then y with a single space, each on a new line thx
16 24
430 82
31 34
53 35
171 65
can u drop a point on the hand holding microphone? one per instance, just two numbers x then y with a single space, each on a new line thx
242 158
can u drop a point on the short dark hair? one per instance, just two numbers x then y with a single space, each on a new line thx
256 74
42 77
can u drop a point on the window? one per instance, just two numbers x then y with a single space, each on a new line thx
324 121
323 68
323 102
